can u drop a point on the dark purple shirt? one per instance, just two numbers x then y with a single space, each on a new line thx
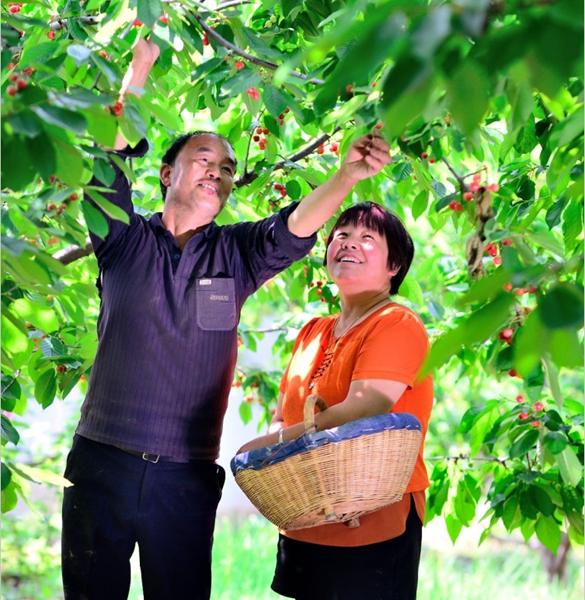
167 326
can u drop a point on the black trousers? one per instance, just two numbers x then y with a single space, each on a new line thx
383 571
119 500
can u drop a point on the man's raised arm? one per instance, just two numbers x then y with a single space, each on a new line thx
367 156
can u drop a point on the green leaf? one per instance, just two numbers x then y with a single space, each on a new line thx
420 204
17 168
104 172
42 153
11 392
548 532
541 500
25 122
245 412
9 498
531 343
468 95
6 476
40 475
555 441
453 527
293 189
570 467
61 117
476 328
9 433
111 209
275 100
562 307
523 443
149 11
566 348
69 163
95 220
37 54
46 388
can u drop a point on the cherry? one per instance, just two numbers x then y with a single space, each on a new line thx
378 126
13 77
117 109
474 187
249 399
164 19
493 187
532 289
519 398
513 373
51 206
253 93
523 416
507 242
21 84
73 197
467 196
11 90
256 138
535 423
29 71
349 88
538 406
137 23
51 35
103 54
424 155
320 149
205 40
334 148
432 160
52 240
14 8
520 291
506 334
456 206
508 287
265 131
239 65
10 66
61 368
491 249
286 110
497 260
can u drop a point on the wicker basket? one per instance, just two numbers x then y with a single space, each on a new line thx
334 475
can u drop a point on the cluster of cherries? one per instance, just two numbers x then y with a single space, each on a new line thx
19 82
474 187
537 407
332 148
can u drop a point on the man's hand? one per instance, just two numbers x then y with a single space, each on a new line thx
367 156
145 52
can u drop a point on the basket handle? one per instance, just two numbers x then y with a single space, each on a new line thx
309 412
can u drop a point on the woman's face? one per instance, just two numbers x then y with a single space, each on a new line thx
357 259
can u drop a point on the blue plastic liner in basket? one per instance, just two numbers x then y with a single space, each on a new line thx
270 455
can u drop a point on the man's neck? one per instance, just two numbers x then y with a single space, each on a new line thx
183 224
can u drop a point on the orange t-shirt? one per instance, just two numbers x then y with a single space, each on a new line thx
389 344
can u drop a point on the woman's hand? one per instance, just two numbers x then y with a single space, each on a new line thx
145 52
367 156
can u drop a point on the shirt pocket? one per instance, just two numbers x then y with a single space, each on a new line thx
216 303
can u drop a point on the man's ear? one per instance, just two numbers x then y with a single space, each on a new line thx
165 174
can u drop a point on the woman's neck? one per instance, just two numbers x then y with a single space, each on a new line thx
355 308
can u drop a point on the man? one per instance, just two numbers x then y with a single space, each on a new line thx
143 458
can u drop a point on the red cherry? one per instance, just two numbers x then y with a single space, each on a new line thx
29 71
286 110
239 65
262 146
10 66
21 84
13 77
11 90
467 196
523 416
103 54
256 138
532 289
491 249
493 187
258 129
164 19
281 122
455 206
519 398
378 126
283 192
51 35
476 177
205 40
507 242
334 148
513 373
253 93
424 155
497 260
51 206
508 287
506 334
538 406
474 187
320 150
137 23
249 399
14 8
73 197
534 423
432 160
265 131
349 88
61 368
117 109
520 291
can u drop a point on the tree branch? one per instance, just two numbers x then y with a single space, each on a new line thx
249 57
249 176
73 253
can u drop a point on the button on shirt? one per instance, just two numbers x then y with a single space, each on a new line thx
167 326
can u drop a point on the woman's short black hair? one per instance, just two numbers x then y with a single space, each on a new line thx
174 149
377 218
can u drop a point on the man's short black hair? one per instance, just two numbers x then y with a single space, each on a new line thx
174 149
377 218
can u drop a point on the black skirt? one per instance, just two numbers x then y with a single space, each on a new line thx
383 571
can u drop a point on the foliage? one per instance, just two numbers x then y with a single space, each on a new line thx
483 103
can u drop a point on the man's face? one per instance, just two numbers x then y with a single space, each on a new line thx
202 175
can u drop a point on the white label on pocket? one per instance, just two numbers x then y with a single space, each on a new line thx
205 282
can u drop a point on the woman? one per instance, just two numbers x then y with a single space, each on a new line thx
362 362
